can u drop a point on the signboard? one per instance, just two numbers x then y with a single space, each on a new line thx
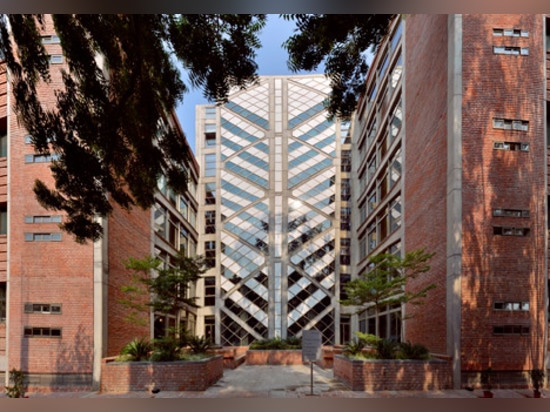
311 345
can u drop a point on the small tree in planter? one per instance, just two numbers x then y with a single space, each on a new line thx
19 387
385 283
537 379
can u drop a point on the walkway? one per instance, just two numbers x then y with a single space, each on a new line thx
288 382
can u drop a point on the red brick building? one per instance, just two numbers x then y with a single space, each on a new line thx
453 130
59 300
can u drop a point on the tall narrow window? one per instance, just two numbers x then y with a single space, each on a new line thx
2 301
3 144
210 165
3 219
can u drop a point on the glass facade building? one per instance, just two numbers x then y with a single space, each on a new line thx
272 209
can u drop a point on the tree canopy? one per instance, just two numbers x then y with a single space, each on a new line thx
106 128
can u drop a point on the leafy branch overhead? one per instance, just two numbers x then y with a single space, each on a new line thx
108 128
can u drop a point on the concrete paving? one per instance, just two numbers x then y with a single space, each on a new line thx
293 381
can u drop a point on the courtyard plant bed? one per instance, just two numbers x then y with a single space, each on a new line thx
170 364
393 374
181 375
275 351
373 364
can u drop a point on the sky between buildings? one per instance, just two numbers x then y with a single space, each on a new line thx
271 59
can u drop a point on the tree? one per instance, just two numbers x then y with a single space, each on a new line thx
385 283
167 287
106 128
340 40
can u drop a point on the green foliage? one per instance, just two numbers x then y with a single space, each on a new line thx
19 388
537 378
340 40
106 125
408 350
368 338
386 349
165 349
168 287
354 347
199 344
136 350
277 343
385 283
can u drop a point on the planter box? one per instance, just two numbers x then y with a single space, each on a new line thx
274 357
167 376
398 375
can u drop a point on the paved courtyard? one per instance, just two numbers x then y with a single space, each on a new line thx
294 381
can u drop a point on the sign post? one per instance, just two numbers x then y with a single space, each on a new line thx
311 349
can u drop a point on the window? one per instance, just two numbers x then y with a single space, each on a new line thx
40 158
55 58
50 39
184 208
42 237
3 218
210 221
160 220
210 135
43 219
346 161
210 165
510 231
513 146
210 112
511 212
2 301
28 139
210 253
209 291
510 33
512 50
511 306
193 217
511 330
510 124
32 332
210 193
184 241
3 144
43 308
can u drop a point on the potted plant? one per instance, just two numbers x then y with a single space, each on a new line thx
537 379
487 382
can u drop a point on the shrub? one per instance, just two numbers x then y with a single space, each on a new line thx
165 349
369 339
386 349
353 348
199 344
408 350
19 379
277 343
136 350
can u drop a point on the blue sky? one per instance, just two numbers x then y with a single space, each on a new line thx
271 59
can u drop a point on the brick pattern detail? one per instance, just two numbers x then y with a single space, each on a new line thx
167 376
394 375
502 268
425 171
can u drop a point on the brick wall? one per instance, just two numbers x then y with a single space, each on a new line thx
167 376
379 375
129 235
502 268
45 272
274 357
425 170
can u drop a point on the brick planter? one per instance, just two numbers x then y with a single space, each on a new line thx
399 375
167 376
274 357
